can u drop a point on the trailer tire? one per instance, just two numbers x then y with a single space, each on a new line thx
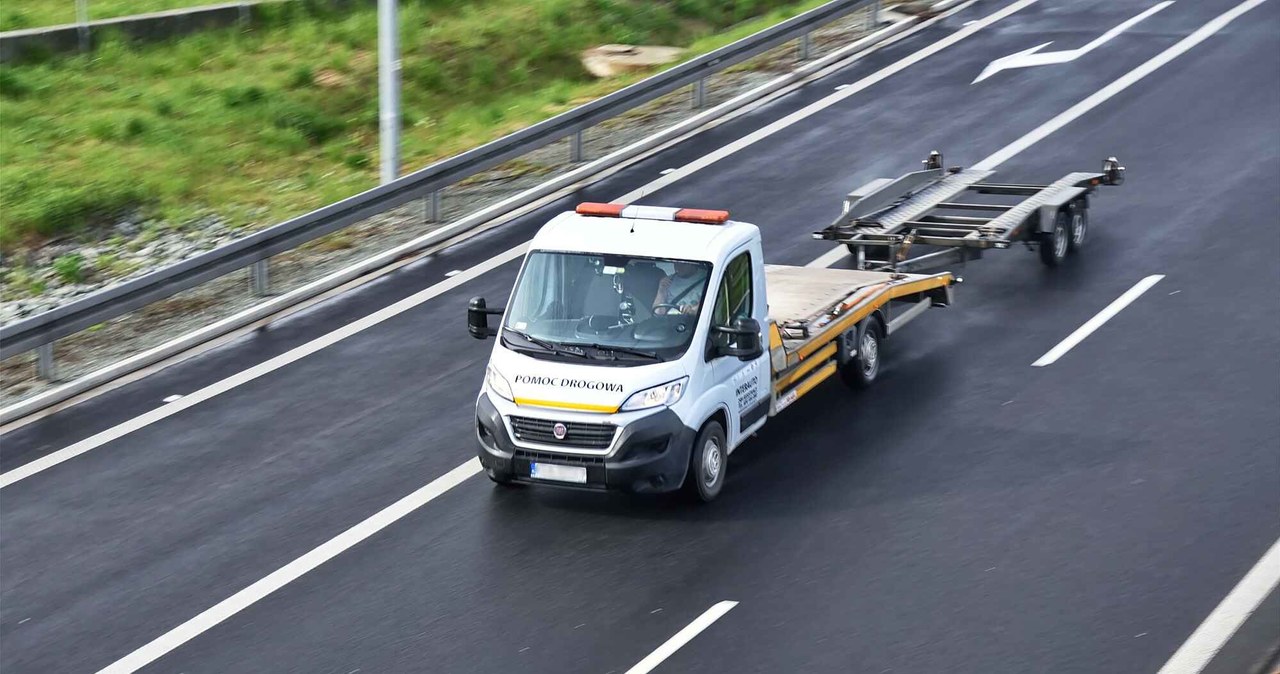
1054 243
863 366
707 462
1079 229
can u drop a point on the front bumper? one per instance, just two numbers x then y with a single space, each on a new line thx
652 454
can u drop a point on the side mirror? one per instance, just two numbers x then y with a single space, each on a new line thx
478 318
1112 172
743 340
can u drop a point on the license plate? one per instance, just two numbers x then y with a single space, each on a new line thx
551 471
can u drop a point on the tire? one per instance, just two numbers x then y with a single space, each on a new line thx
707 463
1054 244
1078 231
863 366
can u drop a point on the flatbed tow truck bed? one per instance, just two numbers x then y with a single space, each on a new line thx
814 310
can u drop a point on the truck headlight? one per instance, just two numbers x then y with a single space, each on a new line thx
498 384
663 394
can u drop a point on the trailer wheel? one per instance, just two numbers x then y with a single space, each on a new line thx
1054 244
1079 229
863 366
708 462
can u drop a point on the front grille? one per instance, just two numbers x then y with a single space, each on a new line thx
579 435
555 457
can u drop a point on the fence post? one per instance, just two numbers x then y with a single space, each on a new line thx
700 93
82 24
575 147
431 207
260 278
44 362
806 45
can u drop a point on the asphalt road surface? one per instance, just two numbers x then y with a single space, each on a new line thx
971 513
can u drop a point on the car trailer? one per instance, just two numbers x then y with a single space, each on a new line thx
882 220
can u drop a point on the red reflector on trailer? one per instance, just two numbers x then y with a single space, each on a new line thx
702 215
600 210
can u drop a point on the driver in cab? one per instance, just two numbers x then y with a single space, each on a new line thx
681 292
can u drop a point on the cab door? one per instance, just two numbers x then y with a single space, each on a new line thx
746 382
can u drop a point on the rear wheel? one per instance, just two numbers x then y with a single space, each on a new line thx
1054 243
1079 229
863 364
708 463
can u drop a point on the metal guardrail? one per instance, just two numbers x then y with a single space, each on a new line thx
41 330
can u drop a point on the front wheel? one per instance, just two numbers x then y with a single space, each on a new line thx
708 463
1054 244
863 365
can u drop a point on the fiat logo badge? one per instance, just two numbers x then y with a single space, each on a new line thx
559 430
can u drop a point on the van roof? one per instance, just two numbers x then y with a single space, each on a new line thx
642 237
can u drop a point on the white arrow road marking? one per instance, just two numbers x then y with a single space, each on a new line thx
1032 57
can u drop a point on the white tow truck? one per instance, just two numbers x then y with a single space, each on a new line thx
642 345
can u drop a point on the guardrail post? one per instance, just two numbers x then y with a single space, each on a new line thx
873 16
244 13
575 147
260 277
431 207
82 24
700 93
806 45
44 362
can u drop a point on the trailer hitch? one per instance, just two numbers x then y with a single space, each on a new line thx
1112 172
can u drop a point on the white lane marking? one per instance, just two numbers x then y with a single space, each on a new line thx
245 376
830 257
172 398
1124 82
1096 322
452 272
134 424
1222 623
1032 57
291 571
682 637
822 104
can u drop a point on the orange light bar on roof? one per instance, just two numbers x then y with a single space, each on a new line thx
694 215
702 215
600 210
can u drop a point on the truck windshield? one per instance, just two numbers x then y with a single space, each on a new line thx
622 309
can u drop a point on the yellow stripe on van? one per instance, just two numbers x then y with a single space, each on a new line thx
581 407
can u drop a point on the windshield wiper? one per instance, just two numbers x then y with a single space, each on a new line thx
621 349
545 345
